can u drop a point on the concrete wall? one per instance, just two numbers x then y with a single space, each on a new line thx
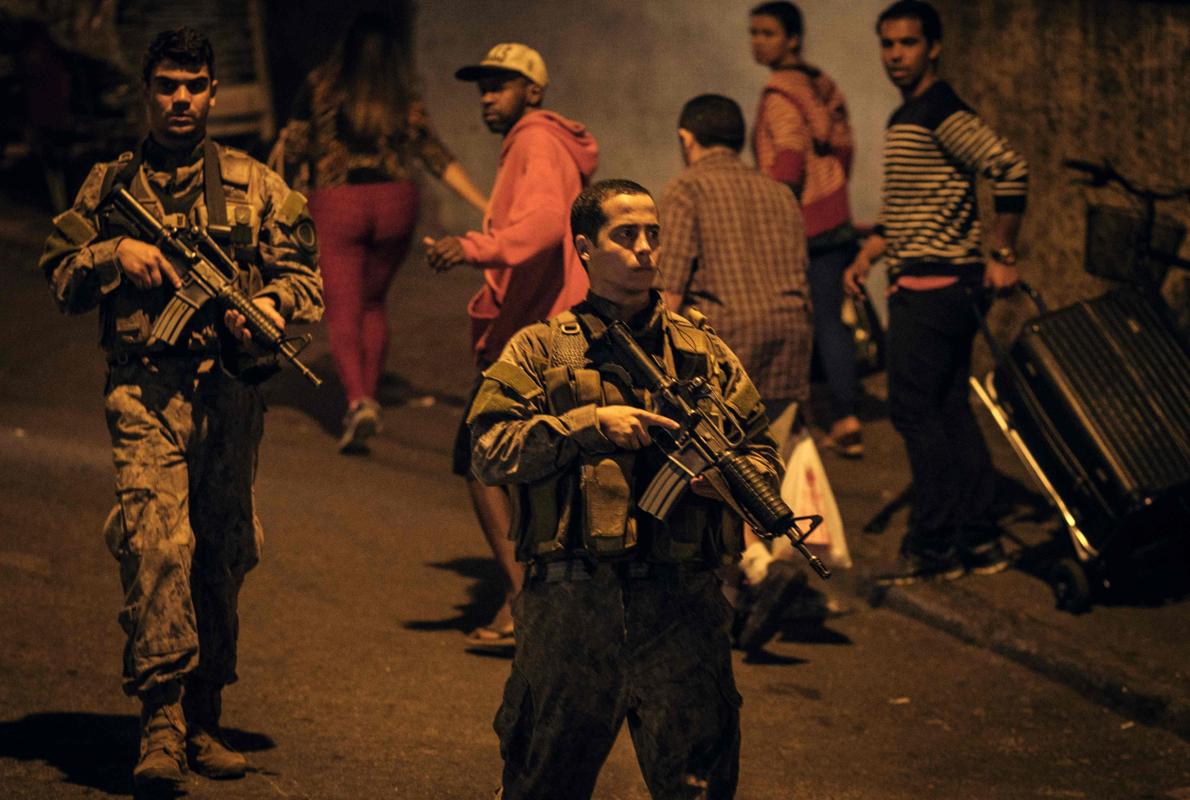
1059 78
1078 79
626 75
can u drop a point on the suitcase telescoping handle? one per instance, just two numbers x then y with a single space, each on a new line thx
977 305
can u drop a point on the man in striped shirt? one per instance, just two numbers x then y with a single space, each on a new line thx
929 236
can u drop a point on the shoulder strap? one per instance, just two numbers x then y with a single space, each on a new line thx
122 171
568 342
212 177
690 332
695 316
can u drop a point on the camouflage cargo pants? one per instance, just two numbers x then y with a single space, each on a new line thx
184 529
594 653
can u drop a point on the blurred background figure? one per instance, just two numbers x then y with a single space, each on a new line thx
733 251
929 237
803 139
355 127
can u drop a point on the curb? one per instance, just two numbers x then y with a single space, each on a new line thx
1098 675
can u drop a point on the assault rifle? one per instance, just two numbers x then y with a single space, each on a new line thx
207 274
701 444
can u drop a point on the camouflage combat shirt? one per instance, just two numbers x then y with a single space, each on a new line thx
273 242
522 437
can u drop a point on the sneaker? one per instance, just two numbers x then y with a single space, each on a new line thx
361 423
986 559
769 601
924 565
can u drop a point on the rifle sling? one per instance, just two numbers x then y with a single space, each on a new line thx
214 197
213 188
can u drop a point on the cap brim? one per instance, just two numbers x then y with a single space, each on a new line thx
477 72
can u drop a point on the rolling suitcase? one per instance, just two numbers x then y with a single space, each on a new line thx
1095 399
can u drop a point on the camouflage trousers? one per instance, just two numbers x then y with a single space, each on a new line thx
184 529
593 653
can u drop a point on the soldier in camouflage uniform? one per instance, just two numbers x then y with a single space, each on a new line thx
184 429
621 616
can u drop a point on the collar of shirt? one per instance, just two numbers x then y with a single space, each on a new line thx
647 322
718 158
175 172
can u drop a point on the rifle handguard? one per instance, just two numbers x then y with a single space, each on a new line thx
768 510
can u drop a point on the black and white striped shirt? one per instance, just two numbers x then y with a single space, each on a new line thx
934 146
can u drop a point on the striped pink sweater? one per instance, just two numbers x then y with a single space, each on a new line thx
803 138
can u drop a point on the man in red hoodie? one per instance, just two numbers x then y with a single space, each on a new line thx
530 268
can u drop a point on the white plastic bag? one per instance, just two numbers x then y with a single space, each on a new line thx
807 490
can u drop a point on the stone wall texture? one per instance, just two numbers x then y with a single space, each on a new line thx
1084 79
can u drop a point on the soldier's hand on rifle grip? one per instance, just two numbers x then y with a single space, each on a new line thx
704 488
145 265
628 427
238 326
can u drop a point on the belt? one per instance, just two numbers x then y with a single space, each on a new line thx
148 357
575 569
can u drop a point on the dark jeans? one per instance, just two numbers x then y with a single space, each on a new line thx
832 339
929 358
591 654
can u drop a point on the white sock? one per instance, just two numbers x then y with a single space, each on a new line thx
755 562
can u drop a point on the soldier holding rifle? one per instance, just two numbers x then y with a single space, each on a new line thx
183 403
621 616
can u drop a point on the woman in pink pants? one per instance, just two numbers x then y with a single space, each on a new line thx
356 126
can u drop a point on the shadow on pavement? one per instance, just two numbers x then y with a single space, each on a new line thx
485 596
325 405
95 750
1162 577
766 658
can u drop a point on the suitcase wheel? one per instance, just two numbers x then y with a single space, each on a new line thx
1071 587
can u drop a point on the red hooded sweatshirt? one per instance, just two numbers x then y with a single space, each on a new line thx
531 270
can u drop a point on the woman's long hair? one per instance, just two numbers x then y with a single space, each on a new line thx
370 72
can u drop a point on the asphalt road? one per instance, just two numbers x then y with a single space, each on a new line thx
354 679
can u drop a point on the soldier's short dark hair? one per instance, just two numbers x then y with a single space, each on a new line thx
586 214
714 120
186 46
923 12
789 15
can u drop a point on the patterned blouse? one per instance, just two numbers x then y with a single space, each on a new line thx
319 151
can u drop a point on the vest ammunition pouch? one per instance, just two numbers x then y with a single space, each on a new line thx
592 509
127 314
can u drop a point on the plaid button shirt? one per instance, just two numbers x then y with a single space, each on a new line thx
733 246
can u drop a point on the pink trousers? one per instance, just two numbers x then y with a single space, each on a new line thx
364 233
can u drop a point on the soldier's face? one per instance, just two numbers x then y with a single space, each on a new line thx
179 98
622 261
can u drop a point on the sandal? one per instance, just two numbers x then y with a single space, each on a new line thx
489 638
847 445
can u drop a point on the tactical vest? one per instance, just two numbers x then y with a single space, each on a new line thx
589 509
224 208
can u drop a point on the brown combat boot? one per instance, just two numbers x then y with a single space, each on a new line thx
162 737
208 754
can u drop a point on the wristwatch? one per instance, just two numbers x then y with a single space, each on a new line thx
1004 255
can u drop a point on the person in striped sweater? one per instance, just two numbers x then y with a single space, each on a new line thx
803 139
928 233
